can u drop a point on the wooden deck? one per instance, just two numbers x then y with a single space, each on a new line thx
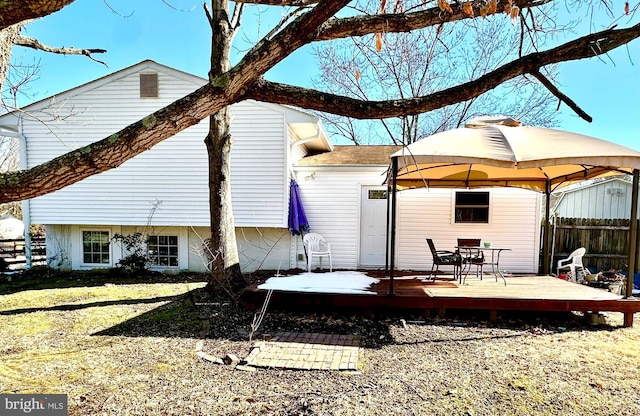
523 293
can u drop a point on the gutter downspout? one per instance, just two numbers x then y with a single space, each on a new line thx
26 207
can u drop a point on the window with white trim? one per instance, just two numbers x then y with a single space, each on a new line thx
472 207
163 250
96 247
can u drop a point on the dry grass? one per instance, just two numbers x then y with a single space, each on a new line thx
129 349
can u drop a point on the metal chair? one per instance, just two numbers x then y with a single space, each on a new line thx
574 264
444 258
471 257
316 246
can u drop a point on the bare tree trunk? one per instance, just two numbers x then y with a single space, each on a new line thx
225 268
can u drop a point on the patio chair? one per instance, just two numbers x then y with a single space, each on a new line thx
471 257
316 246
574 264
444 258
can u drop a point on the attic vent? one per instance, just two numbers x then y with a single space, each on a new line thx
148 85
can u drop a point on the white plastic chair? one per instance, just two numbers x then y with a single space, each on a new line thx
573 263
318 247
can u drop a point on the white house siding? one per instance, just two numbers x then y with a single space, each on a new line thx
140 187
167 185
259 166
258 248
608 199
331 200
58 242
263 249
428 213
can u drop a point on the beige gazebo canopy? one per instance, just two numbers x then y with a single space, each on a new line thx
501 152
498 151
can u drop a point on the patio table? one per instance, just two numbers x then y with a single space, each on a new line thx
495 258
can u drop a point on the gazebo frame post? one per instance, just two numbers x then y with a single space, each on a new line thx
392 250
546 243
633 234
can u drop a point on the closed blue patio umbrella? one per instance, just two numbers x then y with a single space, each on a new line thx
298 222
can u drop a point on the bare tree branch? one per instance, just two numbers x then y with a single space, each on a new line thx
29 42
179 9
268 53
405 22
236 18
316 100
12 12
207 12
292 3
562 97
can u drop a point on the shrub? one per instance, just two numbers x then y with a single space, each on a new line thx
137 260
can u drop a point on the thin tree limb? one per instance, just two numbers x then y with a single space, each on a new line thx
562 97
207 12
29 42
236 18
268 53
291 3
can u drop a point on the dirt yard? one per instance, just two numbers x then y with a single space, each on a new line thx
119 348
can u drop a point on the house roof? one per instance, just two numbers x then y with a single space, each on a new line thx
352 155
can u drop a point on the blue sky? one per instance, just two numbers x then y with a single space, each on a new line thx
608 89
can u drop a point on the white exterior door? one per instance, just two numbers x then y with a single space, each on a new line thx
373 226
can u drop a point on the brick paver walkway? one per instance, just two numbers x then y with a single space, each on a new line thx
307 351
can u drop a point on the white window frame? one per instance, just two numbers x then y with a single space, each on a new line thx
82 252
177 255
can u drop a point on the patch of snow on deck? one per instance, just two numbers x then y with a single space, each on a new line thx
347 282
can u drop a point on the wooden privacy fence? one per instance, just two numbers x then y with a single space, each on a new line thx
12 252
606 241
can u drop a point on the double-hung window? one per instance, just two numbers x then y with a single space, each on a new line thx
472 207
